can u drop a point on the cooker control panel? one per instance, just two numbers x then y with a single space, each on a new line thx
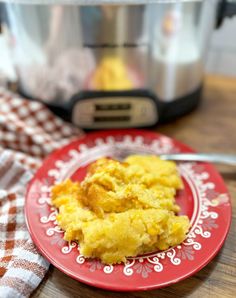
114 112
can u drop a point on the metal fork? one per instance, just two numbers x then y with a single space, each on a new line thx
229 159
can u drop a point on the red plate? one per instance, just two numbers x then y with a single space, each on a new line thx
204 199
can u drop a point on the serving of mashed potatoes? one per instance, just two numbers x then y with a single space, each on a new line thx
122 209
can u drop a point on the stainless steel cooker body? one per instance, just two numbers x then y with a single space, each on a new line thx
58 47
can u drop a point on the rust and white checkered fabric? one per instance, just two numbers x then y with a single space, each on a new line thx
28 132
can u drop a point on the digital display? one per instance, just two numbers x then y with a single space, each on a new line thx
111 118
113 107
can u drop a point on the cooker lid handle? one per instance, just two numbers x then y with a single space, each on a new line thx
226 8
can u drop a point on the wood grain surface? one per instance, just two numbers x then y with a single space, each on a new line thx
210 128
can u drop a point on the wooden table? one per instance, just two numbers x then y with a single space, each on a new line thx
210 128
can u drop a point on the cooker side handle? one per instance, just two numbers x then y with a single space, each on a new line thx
226 8
1 18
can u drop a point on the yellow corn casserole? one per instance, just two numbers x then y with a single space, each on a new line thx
122 209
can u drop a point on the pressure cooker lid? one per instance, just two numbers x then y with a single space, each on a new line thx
95 2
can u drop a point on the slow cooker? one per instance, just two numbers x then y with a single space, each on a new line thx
112 63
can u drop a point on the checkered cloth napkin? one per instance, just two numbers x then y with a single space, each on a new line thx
28 132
